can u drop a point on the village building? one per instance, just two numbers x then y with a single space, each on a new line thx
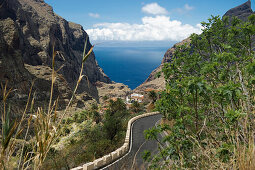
135 97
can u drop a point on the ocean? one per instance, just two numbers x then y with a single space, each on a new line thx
129 65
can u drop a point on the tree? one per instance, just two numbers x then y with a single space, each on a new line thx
153 96
116 106
113 123
136 107
210 84
95 115
105 97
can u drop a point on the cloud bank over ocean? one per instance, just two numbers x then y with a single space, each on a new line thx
157 26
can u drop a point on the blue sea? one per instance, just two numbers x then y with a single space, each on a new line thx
129 65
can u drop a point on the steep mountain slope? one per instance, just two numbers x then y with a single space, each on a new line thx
29 29
241 11
158 83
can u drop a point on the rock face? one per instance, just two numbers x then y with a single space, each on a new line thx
241 11
29 29
152 82
113 90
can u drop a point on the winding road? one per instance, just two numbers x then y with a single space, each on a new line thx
133 159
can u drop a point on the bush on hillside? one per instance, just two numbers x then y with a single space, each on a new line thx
210 96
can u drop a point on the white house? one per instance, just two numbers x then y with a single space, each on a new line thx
134 97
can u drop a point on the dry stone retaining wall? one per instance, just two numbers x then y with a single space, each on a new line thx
107 159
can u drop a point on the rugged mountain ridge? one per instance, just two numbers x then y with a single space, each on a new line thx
242 12
29 29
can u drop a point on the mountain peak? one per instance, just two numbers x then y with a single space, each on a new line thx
242 11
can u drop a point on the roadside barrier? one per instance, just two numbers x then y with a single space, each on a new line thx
107 159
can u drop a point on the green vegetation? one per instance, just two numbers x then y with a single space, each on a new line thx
105 97
136 107
52 141
153 96
113 123
85 138
30 151
45 139
210 88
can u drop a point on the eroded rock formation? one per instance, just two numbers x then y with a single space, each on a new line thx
29 29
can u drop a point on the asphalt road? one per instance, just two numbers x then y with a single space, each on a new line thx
134 157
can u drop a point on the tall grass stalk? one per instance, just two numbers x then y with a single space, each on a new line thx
46 124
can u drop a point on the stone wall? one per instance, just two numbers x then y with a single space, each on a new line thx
120 152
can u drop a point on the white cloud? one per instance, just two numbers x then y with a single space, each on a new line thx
94 15
188 8
154 9
152 29
184 9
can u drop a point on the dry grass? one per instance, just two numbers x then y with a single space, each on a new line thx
45 121
243 155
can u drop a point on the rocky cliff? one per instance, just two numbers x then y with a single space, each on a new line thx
241 11
158 83
29 29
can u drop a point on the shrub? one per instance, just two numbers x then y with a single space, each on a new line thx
208 96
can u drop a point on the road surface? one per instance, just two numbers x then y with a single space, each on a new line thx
133 159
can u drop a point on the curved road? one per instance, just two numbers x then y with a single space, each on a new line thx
138 145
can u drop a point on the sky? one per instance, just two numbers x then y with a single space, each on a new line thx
139 21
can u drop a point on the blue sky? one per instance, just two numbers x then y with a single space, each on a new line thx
141 20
